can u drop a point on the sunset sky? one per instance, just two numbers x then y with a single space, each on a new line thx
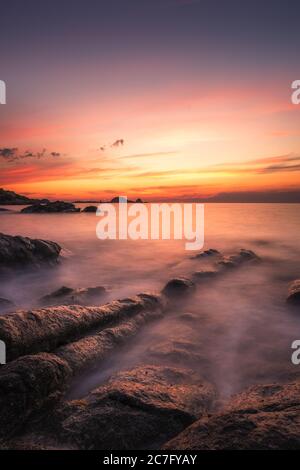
160 99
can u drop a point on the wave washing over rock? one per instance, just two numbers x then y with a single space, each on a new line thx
138 374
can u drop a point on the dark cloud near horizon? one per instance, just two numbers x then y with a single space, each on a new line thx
12 154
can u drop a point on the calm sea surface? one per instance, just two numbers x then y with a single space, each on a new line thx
241 327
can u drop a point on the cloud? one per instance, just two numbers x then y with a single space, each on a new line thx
280 163
118 143
12 154
146 155
9 154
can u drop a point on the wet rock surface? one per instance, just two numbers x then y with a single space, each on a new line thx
178 288
69 296
263 417
49 207
293 297
135 409
165 391
233 261
32 331
207 253
17 252
31 379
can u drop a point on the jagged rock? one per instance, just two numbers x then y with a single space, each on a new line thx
263 417
17 251
6 305
136 409
68 296
293 297
57 206
178 287
90 209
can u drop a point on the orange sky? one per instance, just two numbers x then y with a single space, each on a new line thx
177 144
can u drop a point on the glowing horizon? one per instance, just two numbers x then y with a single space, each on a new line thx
202 114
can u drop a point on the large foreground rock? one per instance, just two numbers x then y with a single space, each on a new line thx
139 408
20 252
20 397
69 296
49 207
263 417
45 329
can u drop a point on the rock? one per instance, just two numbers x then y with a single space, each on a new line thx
33 331
90 209
175 352
293 297
6 305
12 198
17 251
136 409
3 209
28 384
207 253
178 287
263 417
121 199
57 206
69 296
236 260
31 381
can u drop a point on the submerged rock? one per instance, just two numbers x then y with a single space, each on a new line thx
263 417
17 251
236 260
68 296
206 253
90 209
49 207
293 297
178 287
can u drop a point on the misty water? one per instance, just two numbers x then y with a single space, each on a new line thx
235 331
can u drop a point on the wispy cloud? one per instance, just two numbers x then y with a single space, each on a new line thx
149 155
